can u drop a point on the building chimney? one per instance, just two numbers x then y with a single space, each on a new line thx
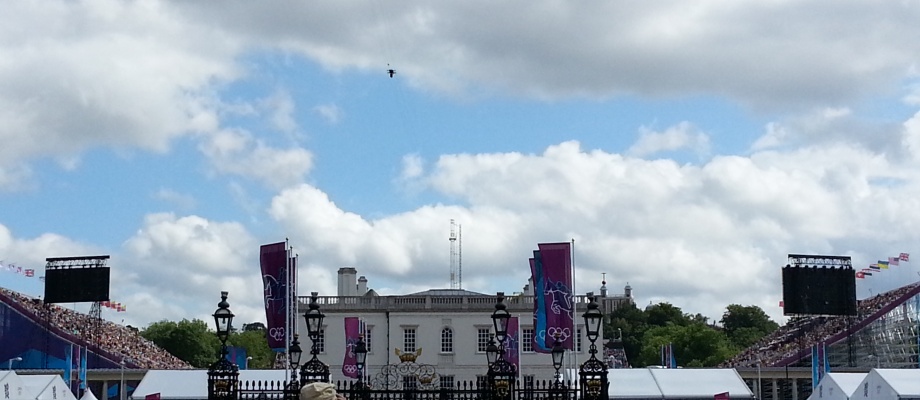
528 289
362 285
347 285
627 291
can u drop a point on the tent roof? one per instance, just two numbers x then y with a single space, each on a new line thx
88 395
40 387
18 390
848 381
906 382
658 383
193 383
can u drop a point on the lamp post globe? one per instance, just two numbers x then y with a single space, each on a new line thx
557 352
500 318
593 318
491 351
295 352
360 354
223 318
314 318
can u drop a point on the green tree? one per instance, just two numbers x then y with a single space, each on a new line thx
694 345
256 345
663 314
745 325
190 341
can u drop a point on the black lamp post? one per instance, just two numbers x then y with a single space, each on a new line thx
294 355
558 352
314 370
491 351
223 375
502 374
593 372
361 358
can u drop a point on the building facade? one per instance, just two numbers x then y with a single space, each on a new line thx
441 331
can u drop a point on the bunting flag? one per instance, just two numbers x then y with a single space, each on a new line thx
273 260
867 273
875 267
558 302
512 354
352 335
883 264
904 257
860 275
30 273
893 261
12 267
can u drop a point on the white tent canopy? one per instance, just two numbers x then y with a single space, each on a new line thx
88 395
884 384
838 386
47 387
191 384
17 389
679 383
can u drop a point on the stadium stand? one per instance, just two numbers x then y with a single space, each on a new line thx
851 340
115 342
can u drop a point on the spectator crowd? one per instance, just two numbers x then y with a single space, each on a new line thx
116 340
802 332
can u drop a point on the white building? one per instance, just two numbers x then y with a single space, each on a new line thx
447 329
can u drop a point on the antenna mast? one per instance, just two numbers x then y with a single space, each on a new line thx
454 255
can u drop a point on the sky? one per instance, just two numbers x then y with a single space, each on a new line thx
685 147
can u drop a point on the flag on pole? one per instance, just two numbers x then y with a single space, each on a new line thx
558 302
904 257
273 260
539 309
352 335
511 343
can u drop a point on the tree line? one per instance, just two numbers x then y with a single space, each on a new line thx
695 341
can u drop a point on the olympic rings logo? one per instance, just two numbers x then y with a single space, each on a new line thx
276 333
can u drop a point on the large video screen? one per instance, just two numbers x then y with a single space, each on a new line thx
76 285
810 290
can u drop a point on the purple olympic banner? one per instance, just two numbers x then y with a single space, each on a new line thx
512 347
539 309
558 302
274 260
352 335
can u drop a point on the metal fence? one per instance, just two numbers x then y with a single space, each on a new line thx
465 390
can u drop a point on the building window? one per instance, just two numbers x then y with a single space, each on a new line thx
367 338
409 340
578 340
447 381
482 339
447 340
321 341
527 340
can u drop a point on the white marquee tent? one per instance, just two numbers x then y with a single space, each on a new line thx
13 387
889 384
47 387
191 384
679 383
837 386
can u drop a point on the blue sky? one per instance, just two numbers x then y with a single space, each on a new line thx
687 148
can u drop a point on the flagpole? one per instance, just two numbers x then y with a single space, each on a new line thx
574 357
287 308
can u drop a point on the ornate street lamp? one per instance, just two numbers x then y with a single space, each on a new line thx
502 374
223 375
500 318
491 351
314 370
593 372
360 362
294 354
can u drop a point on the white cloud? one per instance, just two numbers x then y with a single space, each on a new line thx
330 112
681 136
238 153
183 201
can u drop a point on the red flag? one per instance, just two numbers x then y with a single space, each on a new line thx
719 396
30 273
904 257
860 275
